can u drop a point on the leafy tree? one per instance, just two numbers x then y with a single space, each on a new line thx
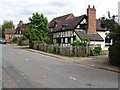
114 49
112 26
8 25
38 30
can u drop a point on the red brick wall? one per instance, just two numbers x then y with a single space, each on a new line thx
91 13
7 37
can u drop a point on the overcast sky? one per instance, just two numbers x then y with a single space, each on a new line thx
17 10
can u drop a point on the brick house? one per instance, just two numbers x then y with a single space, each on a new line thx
8 34
15 32
66 31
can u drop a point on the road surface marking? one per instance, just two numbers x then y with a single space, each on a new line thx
26 59
22 74
48 68
73 78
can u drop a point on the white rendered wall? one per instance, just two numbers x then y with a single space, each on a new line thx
103 35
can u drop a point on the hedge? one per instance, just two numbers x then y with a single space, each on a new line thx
114 54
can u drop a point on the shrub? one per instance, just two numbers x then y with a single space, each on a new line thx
50 51
14 39
95 51
84 42
103 53
21 40
114 53
76 43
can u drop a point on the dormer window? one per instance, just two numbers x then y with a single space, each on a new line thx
64 26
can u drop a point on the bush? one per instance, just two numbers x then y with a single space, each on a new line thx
84 42
103 53
14 39
22 41
96 51
50 51
114 54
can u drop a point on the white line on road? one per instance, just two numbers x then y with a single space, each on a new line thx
26 59
73 78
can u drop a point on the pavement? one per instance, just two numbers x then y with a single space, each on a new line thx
99 62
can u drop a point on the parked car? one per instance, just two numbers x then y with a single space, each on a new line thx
2 41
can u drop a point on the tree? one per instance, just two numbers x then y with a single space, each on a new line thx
112 26
38 29
114 49
8 25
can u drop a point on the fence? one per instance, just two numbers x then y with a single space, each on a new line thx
65 51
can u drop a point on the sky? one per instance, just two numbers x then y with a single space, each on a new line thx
17 10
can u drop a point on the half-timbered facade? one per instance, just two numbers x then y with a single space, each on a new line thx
65 33
78 28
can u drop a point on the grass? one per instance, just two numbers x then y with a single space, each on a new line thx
103 53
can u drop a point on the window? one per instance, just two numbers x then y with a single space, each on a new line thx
58 40
69 39
74 38
107 40
83 26
63 40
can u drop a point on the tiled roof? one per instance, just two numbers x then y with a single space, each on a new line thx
95 37
69 24
22 27
92 36
9 31
59 19
81 34
99 26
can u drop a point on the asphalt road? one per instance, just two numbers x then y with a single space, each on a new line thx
25 69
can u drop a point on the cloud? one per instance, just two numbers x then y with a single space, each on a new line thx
16 10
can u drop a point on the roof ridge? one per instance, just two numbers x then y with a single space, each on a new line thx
63 15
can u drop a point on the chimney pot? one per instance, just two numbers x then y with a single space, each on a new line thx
91 13
88 6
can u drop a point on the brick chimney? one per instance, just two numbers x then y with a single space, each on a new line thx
20 23
91 13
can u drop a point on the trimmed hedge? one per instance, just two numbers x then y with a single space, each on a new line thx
114 54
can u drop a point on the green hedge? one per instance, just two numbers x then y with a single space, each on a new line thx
114 54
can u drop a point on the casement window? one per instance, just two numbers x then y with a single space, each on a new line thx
69 39
63 40
58 40
107 40
83 26
74 38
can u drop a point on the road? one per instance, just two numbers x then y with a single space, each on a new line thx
25 69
